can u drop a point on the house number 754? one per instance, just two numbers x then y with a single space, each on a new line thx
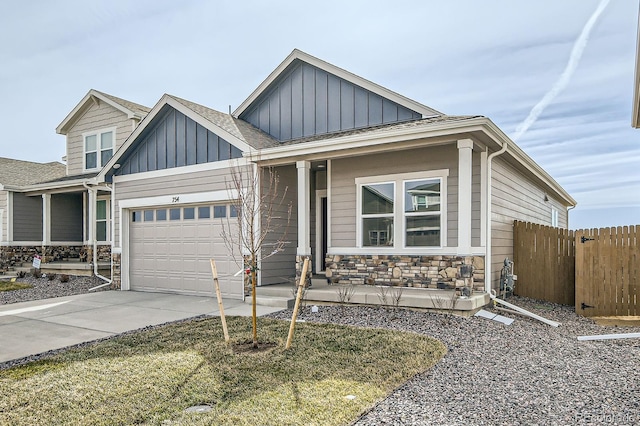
175 200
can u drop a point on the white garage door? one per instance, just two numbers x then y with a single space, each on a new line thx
171 247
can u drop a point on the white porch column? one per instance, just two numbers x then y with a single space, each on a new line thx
46 219
465 150
91 214
304 208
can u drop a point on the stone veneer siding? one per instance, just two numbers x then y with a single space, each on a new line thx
116 271
18 255
435 272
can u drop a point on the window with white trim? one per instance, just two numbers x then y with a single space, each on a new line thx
422 212
377 214
102 220
402 211
98 148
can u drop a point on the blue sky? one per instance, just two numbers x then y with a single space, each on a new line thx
496 58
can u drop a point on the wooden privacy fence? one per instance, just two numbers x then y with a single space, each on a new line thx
607 271
544 261
597 270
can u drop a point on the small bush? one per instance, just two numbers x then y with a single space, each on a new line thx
37 273
51 277
21 274
64 278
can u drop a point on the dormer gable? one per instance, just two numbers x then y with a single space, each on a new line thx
306 96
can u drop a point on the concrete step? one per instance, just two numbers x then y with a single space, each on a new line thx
273 301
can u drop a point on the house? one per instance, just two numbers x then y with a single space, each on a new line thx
384 190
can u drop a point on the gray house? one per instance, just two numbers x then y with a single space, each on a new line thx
384 190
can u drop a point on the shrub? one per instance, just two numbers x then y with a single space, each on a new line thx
21 274
51 277
64 278
37 273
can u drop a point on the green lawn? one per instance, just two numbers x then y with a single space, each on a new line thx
153 376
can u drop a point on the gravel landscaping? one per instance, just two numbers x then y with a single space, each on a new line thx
43 288
526 373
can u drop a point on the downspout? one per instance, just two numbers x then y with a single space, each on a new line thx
487 267
94 240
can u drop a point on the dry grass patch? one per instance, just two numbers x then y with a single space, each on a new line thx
329 377
13 285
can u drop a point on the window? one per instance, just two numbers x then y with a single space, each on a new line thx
219 211
136 216
377 214
402 211
148 215
98 148
233 211
174 214
189 213
102 212
422 213
161 214
204 212
554 217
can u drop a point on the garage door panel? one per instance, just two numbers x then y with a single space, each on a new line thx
174 256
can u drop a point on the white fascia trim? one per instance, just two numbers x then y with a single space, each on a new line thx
447 129
177 199
81 105
520 156
339 72
178 106
175 171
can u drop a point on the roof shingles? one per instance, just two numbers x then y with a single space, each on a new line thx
20 173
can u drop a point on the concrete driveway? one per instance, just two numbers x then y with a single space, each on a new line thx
38 326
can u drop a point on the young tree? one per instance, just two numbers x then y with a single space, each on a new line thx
262 220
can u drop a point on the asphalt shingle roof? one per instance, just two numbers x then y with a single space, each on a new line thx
132 106
21 173
238 128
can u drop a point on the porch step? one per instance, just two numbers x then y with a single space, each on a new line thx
273 301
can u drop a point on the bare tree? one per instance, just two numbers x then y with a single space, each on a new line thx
262 217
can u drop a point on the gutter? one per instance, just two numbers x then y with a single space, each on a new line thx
94 240
487 266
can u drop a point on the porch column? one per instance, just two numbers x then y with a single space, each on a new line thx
91 211
46 219
304 208
465 150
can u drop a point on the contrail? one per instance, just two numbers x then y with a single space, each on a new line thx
561 83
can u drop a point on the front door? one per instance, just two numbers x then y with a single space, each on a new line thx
321 230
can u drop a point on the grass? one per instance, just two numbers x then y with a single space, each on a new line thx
13 285
153 376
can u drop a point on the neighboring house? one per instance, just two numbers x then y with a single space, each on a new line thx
384 189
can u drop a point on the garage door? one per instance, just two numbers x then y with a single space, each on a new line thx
171 247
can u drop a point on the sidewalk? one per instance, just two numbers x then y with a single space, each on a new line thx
38 326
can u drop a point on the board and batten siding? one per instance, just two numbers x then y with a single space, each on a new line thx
27 217
281 268
174 185
343 187
307 101
99 116
515 197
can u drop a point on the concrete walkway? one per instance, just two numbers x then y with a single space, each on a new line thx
38 326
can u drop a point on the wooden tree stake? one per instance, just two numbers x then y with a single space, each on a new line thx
303 279
216 283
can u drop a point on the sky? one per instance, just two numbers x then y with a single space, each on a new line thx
497 58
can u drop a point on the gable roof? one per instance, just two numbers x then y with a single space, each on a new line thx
237 132
298 55
131 109
18 173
